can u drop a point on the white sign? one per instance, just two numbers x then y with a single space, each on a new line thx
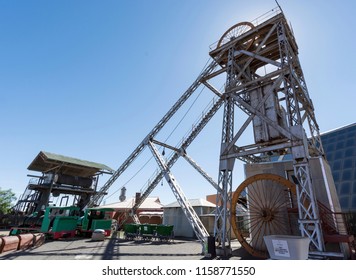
280 248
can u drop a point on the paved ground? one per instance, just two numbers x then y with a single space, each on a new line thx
115 248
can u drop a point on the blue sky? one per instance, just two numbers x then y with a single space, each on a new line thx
90 79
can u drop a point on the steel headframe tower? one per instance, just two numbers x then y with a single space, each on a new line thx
265 80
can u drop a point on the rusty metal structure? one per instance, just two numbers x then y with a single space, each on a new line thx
64 181
264 80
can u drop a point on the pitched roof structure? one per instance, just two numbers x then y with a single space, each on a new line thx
150 203
47 162
194 202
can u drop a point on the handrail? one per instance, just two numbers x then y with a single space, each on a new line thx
333 222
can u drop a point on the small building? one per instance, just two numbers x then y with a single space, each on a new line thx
149 212
174 215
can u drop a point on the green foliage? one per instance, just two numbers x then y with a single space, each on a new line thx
6 199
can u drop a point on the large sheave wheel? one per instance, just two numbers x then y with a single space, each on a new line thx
236 31
260 207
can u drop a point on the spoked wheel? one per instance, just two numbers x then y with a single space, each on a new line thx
236 31
259 208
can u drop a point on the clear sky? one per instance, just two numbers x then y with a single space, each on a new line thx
89 79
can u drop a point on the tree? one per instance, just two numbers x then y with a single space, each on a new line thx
6 199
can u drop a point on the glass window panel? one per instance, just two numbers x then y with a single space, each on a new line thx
336 176
348 163
349 152
341 132
337 186
345 188
350 142
347 175
344 202
329 157
340 145
330 138
338 154
353 203
337 165
354 188
330 147
352 130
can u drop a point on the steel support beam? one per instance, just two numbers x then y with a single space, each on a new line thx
298 99
184 203
96 199
185 144
201 171
222 226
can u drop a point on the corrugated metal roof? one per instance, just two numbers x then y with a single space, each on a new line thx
45 162
151 213
194 202
77 161
150 203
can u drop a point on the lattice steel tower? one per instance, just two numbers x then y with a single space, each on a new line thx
264 79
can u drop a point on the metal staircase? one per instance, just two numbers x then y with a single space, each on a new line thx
27 201
336 229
